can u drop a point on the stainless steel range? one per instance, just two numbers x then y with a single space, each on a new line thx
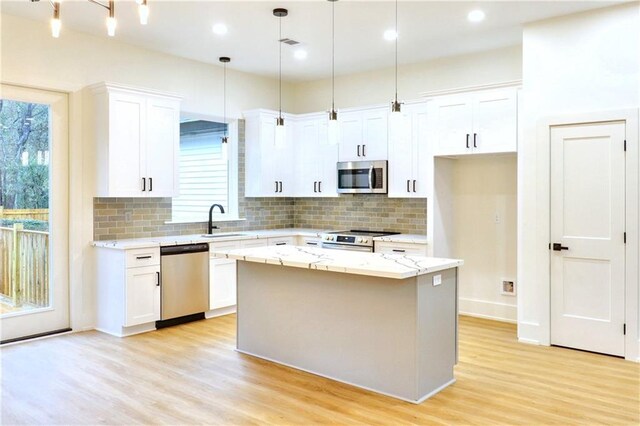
352 240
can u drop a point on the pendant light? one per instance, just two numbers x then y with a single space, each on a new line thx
55 21
333 127
396 107
225 139
279 133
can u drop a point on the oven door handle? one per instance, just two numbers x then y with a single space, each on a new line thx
333 246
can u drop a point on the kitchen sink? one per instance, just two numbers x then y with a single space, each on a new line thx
221 235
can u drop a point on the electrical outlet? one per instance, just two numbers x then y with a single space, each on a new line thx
127 215
497 219
437 280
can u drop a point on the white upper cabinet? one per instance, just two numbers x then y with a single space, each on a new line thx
315 158
409 156
137 136
481 122
363 135
268 166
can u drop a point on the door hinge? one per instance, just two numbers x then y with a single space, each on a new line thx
624 329
625 145
625 238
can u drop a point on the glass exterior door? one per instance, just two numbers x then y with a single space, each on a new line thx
34 289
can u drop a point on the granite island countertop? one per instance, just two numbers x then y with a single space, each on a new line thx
396 266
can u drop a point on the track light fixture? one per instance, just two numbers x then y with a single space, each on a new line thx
112 23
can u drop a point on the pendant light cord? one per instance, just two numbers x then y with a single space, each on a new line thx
396 50
280 67
224 102
333 56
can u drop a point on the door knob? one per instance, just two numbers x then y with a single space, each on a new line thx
559 247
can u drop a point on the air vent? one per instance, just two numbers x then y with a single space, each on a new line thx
289 41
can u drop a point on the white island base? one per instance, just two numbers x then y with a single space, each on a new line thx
397 337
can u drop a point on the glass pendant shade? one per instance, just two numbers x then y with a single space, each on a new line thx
143 10
280 135
111 26
333 131
56 25
225 148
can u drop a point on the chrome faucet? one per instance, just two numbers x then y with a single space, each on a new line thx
211 227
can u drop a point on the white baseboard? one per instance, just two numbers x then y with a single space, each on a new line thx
220 312
489 310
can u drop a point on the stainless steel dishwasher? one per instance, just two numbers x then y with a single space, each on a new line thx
185 283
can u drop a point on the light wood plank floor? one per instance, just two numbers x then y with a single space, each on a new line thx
190 374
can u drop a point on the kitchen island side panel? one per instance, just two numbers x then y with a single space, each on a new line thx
356 329
437 331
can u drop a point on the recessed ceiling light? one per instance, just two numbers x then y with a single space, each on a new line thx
390 34
476 16
300 54
220 29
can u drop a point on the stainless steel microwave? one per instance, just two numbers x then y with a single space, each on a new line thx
362 177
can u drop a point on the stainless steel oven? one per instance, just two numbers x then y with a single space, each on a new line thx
362 177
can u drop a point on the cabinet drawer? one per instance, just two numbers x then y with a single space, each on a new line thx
401 248
223 246
253 243
284 241
143 257
309 241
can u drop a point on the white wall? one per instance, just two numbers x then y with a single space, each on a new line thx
376 87
31 57
484 224
580 63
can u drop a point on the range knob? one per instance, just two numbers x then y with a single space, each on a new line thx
360 240
365 241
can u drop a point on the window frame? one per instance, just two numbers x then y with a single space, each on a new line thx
232 213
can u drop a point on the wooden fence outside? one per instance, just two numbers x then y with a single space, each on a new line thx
24 266
33 214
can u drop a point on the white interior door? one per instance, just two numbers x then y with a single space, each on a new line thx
587 227
34 250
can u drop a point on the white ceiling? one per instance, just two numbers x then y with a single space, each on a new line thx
427 29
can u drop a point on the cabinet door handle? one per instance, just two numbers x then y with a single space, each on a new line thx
280 186
414 186
467 140
358 150
475 136
315 184
276 186
281 244
363 153
319 186
311 244
408 186
399 251
142 257
157 279
150 184
144 184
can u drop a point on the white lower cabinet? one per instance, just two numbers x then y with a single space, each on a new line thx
409 249
253 243
128 290
142 298
222 276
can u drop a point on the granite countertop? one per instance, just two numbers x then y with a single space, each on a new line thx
175 240
371 264
403 238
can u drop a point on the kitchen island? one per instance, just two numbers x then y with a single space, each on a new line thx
383 322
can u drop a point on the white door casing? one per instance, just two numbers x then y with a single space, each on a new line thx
588 218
